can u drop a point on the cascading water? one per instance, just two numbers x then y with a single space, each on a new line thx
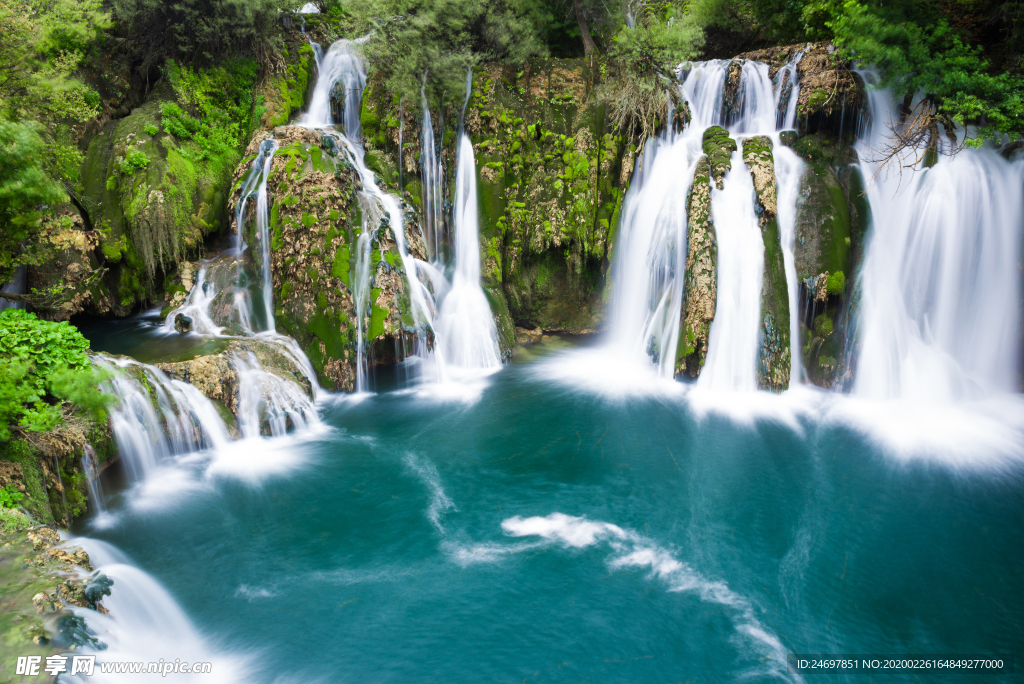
732 350
457 313
267 404
182 421
433 183
649 266
267 149
940 281
787 91
465 327
92 479
651 254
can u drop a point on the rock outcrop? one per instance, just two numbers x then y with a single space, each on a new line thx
700 289
551 179
774 360
318 214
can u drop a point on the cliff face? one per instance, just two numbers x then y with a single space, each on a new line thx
551 179
317 216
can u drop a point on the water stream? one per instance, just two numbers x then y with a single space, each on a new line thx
582 517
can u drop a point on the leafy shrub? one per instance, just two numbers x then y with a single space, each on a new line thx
836 283
134 160
13 520
152 129
24 188
45 363
10 496
823 325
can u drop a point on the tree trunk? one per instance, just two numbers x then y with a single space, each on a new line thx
588 42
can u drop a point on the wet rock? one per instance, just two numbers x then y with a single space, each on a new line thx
718 147
182 323
700 288
774 355
788 138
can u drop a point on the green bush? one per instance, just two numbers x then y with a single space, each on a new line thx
836 283
134 160
823 325
152 129
10 497
45 364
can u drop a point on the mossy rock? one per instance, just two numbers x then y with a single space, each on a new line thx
718 147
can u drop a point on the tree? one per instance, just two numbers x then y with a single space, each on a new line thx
25 189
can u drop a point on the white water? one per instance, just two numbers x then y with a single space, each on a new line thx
465 328
146 625
941 282
183 420
433 194
649 266
92 478
788 170
268 405
457 311
731 364
787 91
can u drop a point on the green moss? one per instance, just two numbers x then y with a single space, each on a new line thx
377 317
836 283
36 500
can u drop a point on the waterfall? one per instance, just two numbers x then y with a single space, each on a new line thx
787 91
90 467
465 328
733 347
175 419
649 267
651 254
268 405
341 65
433 182
788 170
939 317
456 312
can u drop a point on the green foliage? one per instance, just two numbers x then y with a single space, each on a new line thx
151 129
198 32
823 325
215 107
10 497
134 160
13 520
917 49
438 41
24 188
642 60
835 284
45 362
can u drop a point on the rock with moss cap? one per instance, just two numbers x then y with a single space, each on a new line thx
318 215
774 358
700 288
718 147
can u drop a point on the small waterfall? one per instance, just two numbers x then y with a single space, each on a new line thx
268 405
651 255
90 467
733 344
787 91
343 66
15 286
318 52
175 419
465 328
940 285
456 314
433 187
788 170
649 267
